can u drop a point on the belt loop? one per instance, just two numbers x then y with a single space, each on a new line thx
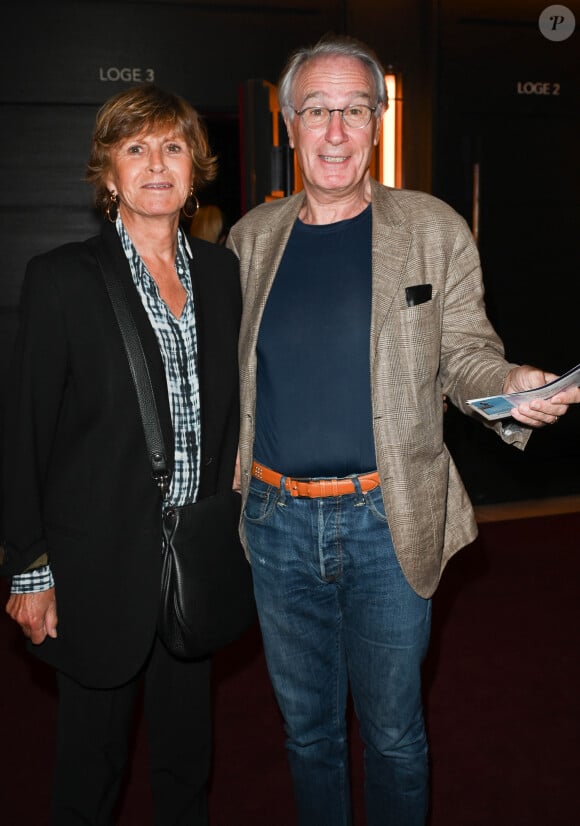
283 491
360 497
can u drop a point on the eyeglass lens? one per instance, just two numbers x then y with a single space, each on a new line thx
354 116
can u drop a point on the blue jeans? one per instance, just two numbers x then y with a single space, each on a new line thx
336 611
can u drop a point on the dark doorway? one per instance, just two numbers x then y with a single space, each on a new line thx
223 130
529 218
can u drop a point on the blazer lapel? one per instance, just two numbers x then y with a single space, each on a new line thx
269 245
390 254
269 249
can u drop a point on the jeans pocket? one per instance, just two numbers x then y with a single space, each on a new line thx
375 504
260 502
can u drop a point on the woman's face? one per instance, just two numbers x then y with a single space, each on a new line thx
152 174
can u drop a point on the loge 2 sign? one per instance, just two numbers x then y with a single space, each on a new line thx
529 87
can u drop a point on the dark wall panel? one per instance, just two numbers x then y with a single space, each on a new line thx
84 52
61 60
508 103
44 153
44 201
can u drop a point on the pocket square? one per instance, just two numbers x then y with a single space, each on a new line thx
418 294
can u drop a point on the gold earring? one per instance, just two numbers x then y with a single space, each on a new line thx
112 209
191 197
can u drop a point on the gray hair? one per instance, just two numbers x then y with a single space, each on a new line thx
331 45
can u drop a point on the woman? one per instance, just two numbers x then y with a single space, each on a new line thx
82 515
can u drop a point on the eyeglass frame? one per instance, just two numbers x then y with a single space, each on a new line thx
372 110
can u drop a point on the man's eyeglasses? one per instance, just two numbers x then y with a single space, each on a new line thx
318 117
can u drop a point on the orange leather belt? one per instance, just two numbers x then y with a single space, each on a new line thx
313 488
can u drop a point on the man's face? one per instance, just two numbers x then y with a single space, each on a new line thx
335 158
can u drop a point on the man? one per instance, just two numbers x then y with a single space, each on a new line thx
363 306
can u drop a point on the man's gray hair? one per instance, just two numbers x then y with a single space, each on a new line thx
331 45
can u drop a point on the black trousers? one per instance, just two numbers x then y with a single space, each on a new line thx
93 731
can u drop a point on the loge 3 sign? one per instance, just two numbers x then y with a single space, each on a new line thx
131 75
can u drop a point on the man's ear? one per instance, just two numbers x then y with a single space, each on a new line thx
378 115
289 124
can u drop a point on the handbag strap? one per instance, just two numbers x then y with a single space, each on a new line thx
141 376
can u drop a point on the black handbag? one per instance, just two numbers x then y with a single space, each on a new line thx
207 597
206 588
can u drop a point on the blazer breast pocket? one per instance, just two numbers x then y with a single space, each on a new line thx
418 294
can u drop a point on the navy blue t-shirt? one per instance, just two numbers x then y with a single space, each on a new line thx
313 412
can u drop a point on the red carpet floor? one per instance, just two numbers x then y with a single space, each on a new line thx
502 689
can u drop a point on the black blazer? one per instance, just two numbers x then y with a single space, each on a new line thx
76 478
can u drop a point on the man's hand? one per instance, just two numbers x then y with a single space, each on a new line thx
539 411
35 613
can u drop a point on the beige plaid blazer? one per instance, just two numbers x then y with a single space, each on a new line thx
417 353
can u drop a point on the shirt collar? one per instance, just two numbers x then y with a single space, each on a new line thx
183 255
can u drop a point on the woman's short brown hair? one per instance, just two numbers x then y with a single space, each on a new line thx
143 109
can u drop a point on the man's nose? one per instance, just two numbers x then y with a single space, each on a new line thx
335 128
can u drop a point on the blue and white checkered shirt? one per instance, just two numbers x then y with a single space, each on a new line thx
177 339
